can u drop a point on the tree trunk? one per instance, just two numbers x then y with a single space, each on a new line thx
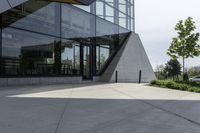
183 67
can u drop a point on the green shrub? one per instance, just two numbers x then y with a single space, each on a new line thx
185 77
153 82
161 83
183 87
178 85
197 90
171 84
191 83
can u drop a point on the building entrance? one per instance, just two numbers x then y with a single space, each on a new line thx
86 52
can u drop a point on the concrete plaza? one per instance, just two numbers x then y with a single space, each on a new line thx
98 108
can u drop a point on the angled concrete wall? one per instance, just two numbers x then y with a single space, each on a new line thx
128 62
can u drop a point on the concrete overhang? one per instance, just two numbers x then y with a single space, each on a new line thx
8 4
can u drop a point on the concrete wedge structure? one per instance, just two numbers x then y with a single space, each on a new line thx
129 61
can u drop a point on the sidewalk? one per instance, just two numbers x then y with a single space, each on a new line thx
98 108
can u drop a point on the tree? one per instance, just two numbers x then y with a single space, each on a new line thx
194 71
185 45
173 68
160 72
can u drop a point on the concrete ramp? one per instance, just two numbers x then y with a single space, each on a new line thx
130 59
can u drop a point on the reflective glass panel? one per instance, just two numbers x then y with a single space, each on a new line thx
76 23
70 57
27 53
106 41
38 16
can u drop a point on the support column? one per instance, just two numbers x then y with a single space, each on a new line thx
133 16
104 10
0 44
57 43
116 12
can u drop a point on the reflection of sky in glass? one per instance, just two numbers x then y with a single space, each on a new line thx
123 14
21 40
67 54
104 52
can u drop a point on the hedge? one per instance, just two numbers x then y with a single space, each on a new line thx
178 85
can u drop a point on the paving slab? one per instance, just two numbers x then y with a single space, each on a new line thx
98 108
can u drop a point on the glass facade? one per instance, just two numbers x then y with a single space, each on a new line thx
40 38
120 12
27 53
70 57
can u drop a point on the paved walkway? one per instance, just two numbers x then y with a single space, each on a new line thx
98 108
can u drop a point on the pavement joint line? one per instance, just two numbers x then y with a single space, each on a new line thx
109 123
102 125
162 109
64 110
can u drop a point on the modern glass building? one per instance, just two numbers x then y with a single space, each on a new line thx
62 38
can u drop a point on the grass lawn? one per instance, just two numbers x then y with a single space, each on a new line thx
178 85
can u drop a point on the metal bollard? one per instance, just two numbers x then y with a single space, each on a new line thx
140 76
116 76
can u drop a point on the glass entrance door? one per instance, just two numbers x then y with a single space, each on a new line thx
86 63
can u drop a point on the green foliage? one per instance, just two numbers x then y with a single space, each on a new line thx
185 45
173 68
185 77
178 85
153 82
160 72
191 83
193 71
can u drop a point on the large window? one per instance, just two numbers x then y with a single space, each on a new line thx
102 54
70 57
100 9
27 53
38 16
117 11
77 23
106 41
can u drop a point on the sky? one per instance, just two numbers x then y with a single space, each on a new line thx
155 22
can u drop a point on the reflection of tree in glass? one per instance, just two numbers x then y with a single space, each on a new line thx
77 60
50 61
102 59
67 63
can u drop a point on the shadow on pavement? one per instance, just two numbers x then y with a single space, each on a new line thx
79 115
14 90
